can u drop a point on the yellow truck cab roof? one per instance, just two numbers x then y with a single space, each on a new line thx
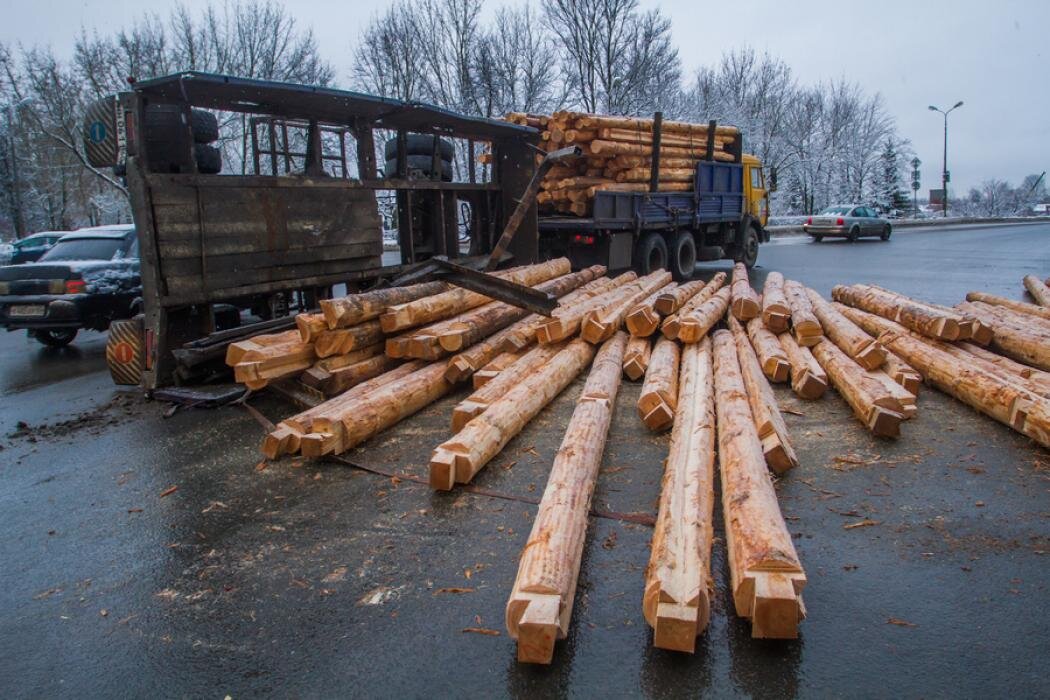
750 159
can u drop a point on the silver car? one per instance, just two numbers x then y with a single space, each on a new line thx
848 221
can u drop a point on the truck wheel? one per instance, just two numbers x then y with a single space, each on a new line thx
55 337
205 126
683 256
650 254
854 234
748 251
886 233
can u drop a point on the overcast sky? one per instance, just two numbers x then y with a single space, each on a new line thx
992 55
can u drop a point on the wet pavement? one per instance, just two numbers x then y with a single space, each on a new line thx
318 579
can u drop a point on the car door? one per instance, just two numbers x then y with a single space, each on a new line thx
867 225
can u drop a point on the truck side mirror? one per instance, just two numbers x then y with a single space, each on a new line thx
772 179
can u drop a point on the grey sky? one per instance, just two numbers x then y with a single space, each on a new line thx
992 55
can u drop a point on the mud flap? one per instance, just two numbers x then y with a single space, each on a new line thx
124 351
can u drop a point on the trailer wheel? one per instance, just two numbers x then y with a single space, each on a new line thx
650 254
747 253
683 256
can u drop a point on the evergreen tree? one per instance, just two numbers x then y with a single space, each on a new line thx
889 193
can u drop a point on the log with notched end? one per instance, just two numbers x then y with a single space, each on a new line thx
766 575
677 599
260 360
365 306
636 357
1018 306
343 340
983 390
672 323
668 302
644 318
695 324
455 301
745 304
903 373
853 341
970 328
495 367
1035 379
916 317
600 324
310 326
870 401
769 424
336 381
523 333
774 361
260 347
457 460
510 377
776 313
1038 289
659 397
540 605
808 379
565 321
1018 341
804 324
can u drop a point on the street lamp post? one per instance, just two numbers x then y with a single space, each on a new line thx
945 177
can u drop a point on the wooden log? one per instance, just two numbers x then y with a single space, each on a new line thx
565 322
766 575
677 599
1040 377
900 371
669 301
506 380
523 333
913 316
853 341
695 324
774 361
659 397
903 373
636 357
495 367
644 318
346 359
336 381
1038 290
969 327
667 139
593 121
343 340
352 309
808 379
1014 340
310 326
601 147
982 390
776 313
457 300
863 394
258 361
1023 322
1034 380
1018 306
256 347
769 424
540 605
804 324
673 322
665 175
601 323
459 459
745 304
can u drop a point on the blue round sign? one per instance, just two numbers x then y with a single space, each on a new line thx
97 132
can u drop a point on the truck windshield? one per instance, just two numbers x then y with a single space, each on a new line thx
84 249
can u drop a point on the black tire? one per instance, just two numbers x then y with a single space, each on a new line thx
55 337
748 251
650 254
885 235
854 234
818 239
205 126
421 164
164 131
682 259
420 145
209 159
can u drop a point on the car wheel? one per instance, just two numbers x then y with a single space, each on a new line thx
885 235
818 239
651 254
748 252
55 337
854 234
683 256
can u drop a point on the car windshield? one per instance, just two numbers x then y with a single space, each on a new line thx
837 210
84 249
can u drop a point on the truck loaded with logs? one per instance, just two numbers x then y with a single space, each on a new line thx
276 233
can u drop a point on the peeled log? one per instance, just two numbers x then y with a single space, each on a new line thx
853 341
342 340
916 317
672 323
804 324
769 424
808 379
776 313
1013 341
540 605
771 356
677 599
510 377
667 302
644 318
659 397
601 323
494 368
356 308
862 393
970 328
766 575
336 381
523 333
1037 380
457 460
695 324
1019 306
636 357
745 304
310 326
566 321
1038 289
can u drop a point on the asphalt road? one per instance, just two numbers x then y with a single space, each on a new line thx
319 580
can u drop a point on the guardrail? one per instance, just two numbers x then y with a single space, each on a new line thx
796 229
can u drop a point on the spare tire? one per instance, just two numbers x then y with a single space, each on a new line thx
420 145
205 126
209 159
420 164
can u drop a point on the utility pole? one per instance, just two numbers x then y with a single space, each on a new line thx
945 175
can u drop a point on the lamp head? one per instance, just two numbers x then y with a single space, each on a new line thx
934 109
958 104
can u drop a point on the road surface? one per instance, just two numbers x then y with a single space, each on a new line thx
320 580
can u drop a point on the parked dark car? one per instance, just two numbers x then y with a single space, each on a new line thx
32 247
847 221
87 279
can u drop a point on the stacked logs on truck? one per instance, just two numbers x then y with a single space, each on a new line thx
618 155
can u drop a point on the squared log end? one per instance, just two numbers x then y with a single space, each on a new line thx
677 627
464 413
775 321
458 370
281 441
594 331
659 418
442 470
777 608
779 458
633 369
316 445
809 387
483 377
538 629
744 309
777 369
884 422
872 356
